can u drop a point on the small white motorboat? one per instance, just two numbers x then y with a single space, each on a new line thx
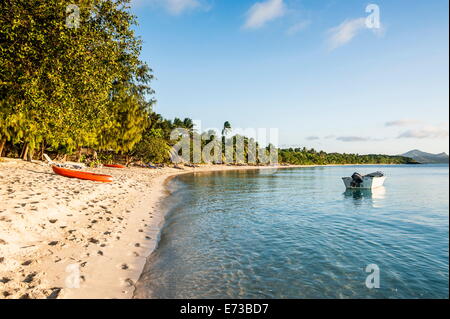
369 181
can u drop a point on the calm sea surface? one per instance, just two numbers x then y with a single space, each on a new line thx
296 233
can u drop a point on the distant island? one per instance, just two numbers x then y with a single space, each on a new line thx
304 156
427 158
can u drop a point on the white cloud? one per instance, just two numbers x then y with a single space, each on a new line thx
178 6
358 139
298 27
403 122
313 138
175 7
352 139
345 32
262 12
426 132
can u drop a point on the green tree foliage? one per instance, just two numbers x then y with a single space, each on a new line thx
311 157
152 149
128 112
155 144
71 86
64 87
226 128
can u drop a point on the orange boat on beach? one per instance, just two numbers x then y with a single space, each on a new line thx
82 175
114 165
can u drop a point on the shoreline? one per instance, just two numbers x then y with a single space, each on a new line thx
55 229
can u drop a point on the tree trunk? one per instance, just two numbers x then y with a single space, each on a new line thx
128 159
23 155
78 154
22 151
41 155
30 155
2 145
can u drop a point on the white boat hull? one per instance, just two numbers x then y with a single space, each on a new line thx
368 182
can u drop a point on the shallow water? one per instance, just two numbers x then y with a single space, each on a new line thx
295 233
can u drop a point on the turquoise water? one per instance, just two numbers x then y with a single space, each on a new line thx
295 233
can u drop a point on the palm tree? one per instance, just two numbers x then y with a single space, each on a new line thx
155 119
189 125
226 128
178 123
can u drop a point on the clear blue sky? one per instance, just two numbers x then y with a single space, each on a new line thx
310 68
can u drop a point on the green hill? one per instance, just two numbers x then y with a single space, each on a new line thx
427 158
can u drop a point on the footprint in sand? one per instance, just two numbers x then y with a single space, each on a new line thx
129 282
29 278
55 293
93 240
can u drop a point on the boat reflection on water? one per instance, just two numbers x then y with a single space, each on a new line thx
375 195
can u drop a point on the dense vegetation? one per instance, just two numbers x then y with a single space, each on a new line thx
309 157
65 86
70 83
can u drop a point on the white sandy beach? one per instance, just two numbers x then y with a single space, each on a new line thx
55 229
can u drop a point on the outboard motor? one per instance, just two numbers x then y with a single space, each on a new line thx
357 180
